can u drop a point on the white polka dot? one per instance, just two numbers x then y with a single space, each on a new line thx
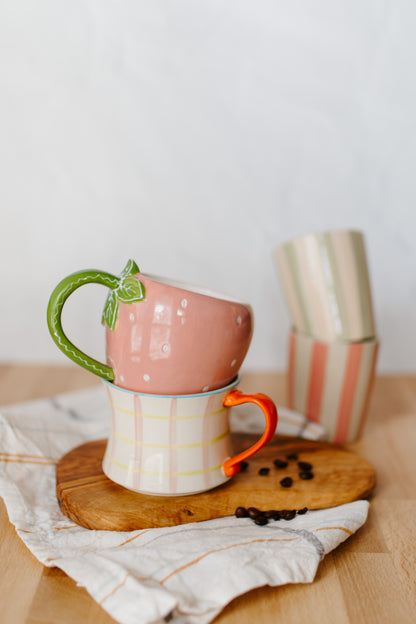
239 320
184 303
146 377
165 348
121 378
205 389
233 362
132 316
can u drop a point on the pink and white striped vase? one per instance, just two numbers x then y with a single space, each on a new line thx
331 382
177 444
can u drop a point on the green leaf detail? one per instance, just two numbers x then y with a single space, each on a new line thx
110 314
128 290
131 268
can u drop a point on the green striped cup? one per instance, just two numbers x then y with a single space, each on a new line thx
326 282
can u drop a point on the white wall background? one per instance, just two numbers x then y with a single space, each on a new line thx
195 136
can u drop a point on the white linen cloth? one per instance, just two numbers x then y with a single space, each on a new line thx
185 573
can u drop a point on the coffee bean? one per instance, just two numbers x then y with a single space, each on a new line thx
286 482
253 512
243 465
306 475
262 517
305 466
280 463
264 471
287 514
241 512
291 456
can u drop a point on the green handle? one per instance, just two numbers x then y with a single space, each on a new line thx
124 288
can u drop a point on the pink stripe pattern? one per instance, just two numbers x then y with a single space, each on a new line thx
337 381
206 429
346 402
173 460
111 441
316 380
167 445
369 391
138 433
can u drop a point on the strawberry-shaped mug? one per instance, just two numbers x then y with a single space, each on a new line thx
162 336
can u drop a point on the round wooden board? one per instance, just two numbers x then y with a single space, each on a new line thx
91 500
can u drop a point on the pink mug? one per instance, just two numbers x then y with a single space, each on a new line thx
162 336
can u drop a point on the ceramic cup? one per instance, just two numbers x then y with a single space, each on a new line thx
326 282
331 382
162 336
174 445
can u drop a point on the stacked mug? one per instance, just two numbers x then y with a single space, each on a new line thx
332 344
173 355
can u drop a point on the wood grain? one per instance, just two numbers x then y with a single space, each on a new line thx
12 553
91 500
371 575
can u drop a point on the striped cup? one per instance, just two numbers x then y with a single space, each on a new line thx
330 383
326 283
177 444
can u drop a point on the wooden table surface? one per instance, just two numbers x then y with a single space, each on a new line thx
370 578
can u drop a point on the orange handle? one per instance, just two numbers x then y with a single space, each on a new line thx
232 465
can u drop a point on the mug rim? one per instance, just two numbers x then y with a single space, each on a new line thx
318 233
341 341
193 288
232 384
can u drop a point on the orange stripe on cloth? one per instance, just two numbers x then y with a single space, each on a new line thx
338 528
114 590
27 461
131 539
211 552
317 373
43 457
349 387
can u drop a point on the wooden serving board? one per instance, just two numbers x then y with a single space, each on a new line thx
91 500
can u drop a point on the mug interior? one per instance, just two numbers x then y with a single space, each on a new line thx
192 288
